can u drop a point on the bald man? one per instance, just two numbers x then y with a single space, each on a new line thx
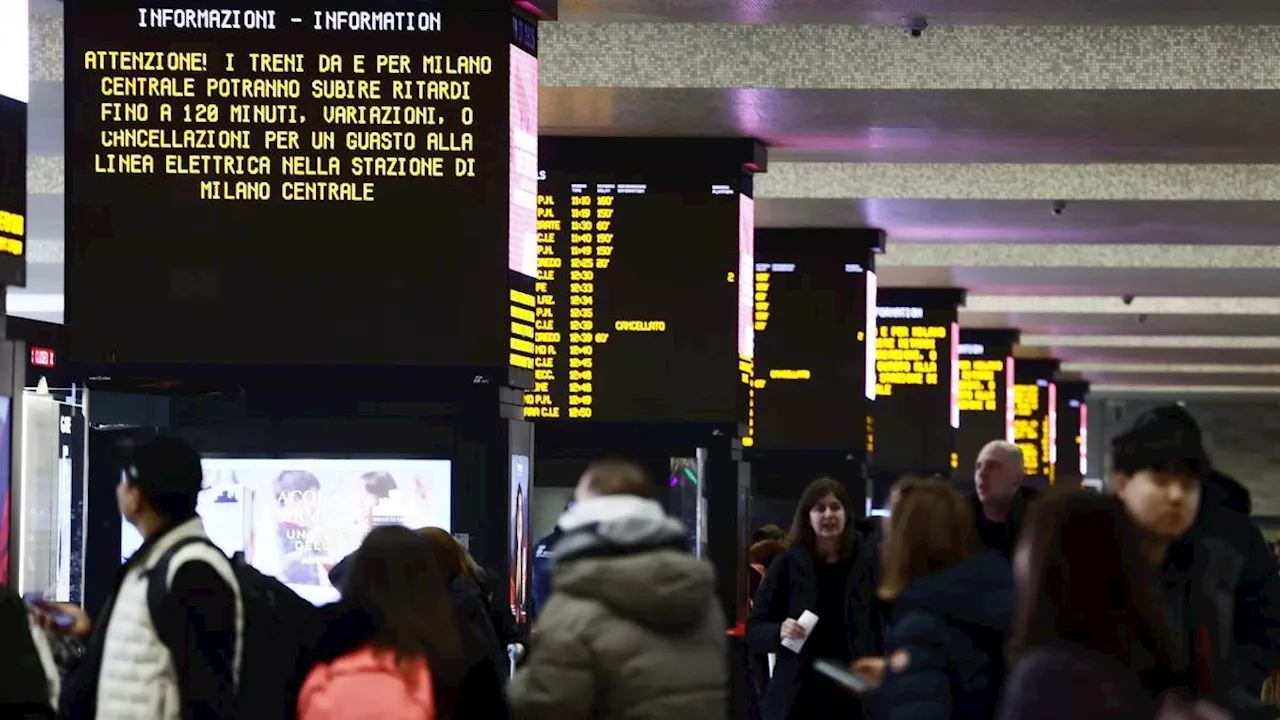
1000 503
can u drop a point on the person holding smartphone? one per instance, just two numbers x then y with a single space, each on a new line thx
28 678
828 571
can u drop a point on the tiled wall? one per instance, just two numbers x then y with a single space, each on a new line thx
1242 438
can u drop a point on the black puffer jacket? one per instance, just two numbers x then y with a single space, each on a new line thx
1224 514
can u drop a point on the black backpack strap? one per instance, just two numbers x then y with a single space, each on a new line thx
168 627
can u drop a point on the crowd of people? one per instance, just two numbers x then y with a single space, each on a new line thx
1159 601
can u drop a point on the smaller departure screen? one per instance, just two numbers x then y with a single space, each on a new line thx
1033 427
811 338
917 393
1072 431
986 400
639 299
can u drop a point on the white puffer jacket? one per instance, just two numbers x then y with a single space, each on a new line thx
138 680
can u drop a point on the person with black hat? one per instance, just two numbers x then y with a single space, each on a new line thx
129 672
1160 466
1224 511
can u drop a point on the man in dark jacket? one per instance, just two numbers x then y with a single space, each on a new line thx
1000 501
1160 468
544 551
1225 506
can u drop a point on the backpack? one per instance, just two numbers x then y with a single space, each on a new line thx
279 629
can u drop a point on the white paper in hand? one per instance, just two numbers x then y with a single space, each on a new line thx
807 621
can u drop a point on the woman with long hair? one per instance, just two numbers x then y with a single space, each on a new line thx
1089 615
828 570
394 653
951 611
483 654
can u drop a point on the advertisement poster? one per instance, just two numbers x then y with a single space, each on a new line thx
5 405
518 551
295 519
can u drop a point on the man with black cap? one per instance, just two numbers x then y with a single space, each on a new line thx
1161 471
129 672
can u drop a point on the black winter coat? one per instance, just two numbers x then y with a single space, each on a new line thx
944 650
790 588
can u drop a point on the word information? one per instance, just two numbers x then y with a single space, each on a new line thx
980 382
907 355
288 126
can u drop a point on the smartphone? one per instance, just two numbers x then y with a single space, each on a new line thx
58 617
845 677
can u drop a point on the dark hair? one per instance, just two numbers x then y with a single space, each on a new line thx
291 481
167 471
618 476
930 530
450 556
379 484
770 532
802 529
1165 439
395 578
1087 582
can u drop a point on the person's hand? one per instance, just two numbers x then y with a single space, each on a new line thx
80 626
792 629
869 667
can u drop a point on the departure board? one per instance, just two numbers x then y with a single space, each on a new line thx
1072 431
13 144
301 183
814 379
917 380
643 298
986 373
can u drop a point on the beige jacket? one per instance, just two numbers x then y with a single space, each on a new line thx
633 629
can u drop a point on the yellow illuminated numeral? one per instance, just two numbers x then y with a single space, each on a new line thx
732 277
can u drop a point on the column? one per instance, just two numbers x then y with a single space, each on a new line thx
986 394
1074 463
645 299
815 331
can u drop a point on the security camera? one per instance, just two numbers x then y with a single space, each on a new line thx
1128 299
914 25
1058 206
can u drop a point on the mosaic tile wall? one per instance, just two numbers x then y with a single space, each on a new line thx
870 57
1240 436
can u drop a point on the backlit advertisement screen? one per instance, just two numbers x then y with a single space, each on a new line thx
518 527
295 519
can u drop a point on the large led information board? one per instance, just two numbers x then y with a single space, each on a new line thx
301 183
644 282
917 407
814 376
1072 431
986 393
1034 418
13 143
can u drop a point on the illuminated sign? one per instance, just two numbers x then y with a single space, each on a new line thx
1072 430
43 357
811 323
917 406
302 184
633 322
14 82
985 392
1035 417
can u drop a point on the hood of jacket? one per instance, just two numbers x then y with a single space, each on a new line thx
1223 490
627 554
977 591
366 683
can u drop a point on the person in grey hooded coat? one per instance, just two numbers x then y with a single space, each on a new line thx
634 628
